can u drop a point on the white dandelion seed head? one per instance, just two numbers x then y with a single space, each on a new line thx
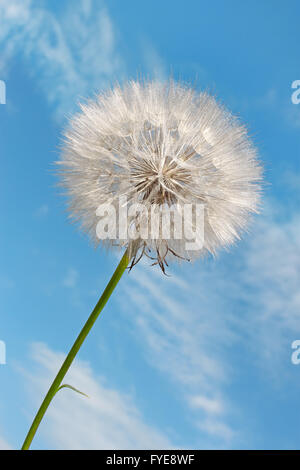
161 145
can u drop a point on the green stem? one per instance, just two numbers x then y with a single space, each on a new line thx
75 348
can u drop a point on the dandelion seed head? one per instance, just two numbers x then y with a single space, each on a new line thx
162 145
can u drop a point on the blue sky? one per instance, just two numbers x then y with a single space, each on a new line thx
198 360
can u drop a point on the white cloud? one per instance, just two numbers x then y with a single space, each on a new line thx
72 56
4 445
210 405
212 422
272 266
186 328
217 428
249 299
106 420
185 334
269 280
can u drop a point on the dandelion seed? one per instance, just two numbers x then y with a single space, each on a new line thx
162 145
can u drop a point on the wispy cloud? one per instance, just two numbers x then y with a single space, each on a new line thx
269 281
72 55
184 333
210 405
4 444
216 428
108 419
192 328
